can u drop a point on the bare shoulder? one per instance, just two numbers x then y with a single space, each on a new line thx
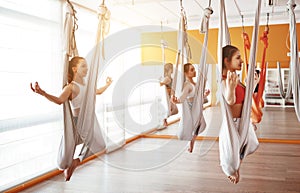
69 87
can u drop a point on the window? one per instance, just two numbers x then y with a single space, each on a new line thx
31 48
30 127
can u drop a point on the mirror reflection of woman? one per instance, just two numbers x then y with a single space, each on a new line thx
167 81
188 93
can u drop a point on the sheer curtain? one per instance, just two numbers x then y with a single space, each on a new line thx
30 126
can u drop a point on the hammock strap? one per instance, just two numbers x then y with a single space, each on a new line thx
88 125
103 26
245 119
284 94
70 136
197 107
294 58
183 53
163 44
261 87
247 46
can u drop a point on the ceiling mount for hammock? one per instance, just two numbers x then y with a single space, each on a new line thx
103 26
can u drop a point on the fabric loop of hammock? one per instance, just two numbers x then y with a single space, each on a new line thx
294 58
288 93
103 28
70 136
204 22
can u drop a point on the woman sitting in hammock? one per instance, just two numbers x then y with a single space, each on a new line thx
73 91
188 93
234 95
167 81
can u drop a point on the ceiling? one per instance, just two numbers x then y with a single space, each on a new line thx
129 13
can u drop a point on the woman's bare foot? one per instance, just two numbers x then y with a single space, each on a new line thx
165 123
192 144
235 178
69 171
254 126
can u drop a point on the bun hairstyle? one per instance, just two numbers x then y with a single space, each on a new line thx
73 63
227 52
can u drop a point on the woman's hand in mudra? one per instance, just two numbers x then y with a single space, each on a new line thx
174 99
37 88
108 80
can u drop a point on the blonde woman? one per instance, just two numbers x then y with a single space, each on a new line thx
167 82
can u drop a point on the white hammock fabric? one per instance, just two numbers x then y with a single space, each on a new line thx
192 118
183 54
104 25
70 136
288 93
234 141
88 125
294 58
88 129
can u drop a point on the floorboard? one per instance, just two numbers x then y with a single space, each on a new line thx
164 165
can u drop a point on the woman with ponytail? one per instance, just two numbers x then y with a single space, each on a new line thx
74 92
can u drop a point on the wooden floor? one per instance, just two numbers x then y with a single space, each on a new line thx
164 165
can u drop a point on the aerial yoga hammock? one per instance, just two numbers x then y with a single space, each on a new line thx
284 94
294 58
247 45
257 99
236 139
87 130
192 121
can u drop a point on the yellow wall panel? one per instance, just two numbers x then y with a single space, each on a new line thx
277 49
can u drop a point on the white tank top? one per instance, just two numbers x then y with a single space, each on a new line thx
191 94
76 102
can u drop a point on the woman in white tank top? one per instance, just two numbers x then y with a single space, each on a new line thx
188 93
74 92
167 81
